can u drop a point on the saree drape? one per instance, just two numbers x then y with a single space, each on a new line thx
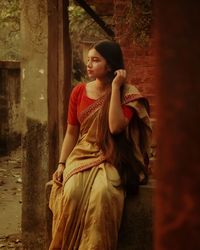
87 207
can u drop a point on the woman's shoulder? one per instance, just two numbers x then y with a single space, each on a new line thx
132 97
78 87
77 91
131 89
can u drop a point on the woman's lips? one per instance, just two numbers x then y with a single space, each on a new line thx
90 71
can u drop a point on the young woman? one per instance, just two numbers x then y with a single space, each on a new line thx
103 155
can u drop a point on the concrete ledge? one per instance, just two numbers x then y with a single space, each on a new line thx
136 228
10 64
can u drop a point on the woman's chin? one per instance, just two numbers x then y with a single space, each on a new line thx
91 77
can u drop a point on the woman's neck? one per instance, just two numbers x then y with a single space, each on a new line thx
102 84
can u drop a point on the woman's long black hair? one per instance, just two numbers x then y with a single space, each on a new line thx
117 148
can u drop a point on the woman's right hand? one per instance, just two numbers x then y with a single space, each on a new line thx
58 175
120 78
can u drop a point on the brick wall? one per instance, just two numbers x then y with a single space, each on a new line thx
102 7
140 61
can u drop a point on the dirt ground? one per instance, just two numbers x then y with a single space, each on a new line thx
10 201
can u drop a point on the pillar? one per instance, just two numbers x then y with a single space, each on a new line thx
34 45
45 84
177 220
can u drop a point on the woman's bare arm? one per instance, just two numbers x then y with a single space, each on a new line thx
69 142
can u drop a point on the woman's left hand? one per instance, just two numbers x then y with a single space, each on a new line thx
120 78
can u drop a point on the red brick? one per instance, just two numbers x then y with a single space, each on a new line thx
140 62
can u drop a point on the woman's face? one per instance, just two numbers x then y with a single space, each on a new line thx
97 66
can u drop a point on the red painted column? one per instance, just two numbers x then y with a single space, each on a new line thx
177 213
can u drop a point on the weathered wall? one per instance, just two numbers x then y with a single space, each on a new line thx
177 217
10 115
35 116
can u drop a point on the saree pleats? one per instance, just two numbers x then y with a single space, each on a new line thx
91 209
87 207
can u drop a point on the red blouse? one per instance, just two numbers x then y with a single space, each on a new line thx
79 101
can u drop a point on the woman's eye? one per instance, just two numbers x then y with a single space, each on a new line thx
95 59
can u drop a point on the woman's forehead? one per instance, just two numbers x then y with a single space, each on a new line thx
94 53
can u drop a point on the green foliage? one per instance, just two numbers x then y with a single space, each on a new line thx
82 26
136 22
10 29
10 13
141 13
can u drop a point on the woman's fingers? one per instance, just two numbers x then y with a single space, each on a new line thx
121 72
55 176
58 175
120 77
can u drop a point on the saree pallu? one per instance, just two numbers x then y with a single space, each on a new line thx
87 207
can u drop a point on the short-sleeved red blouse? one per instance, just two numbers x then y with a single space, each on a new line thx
80 101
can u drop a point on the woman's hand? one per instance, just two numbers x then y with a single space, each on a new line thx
120 78
58 175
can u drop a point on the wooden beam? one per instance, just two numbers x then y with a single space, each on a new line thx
96 18
59 83
59 76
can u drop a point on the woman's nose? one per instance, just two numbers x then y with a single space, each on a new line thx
89 65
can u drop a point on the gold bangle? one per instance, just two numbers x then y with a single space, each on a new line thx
61 163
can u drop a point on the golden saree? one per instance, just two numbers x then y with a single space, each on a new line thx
87 207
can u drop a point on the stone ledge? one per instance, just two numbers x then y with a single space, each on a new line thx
136 228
